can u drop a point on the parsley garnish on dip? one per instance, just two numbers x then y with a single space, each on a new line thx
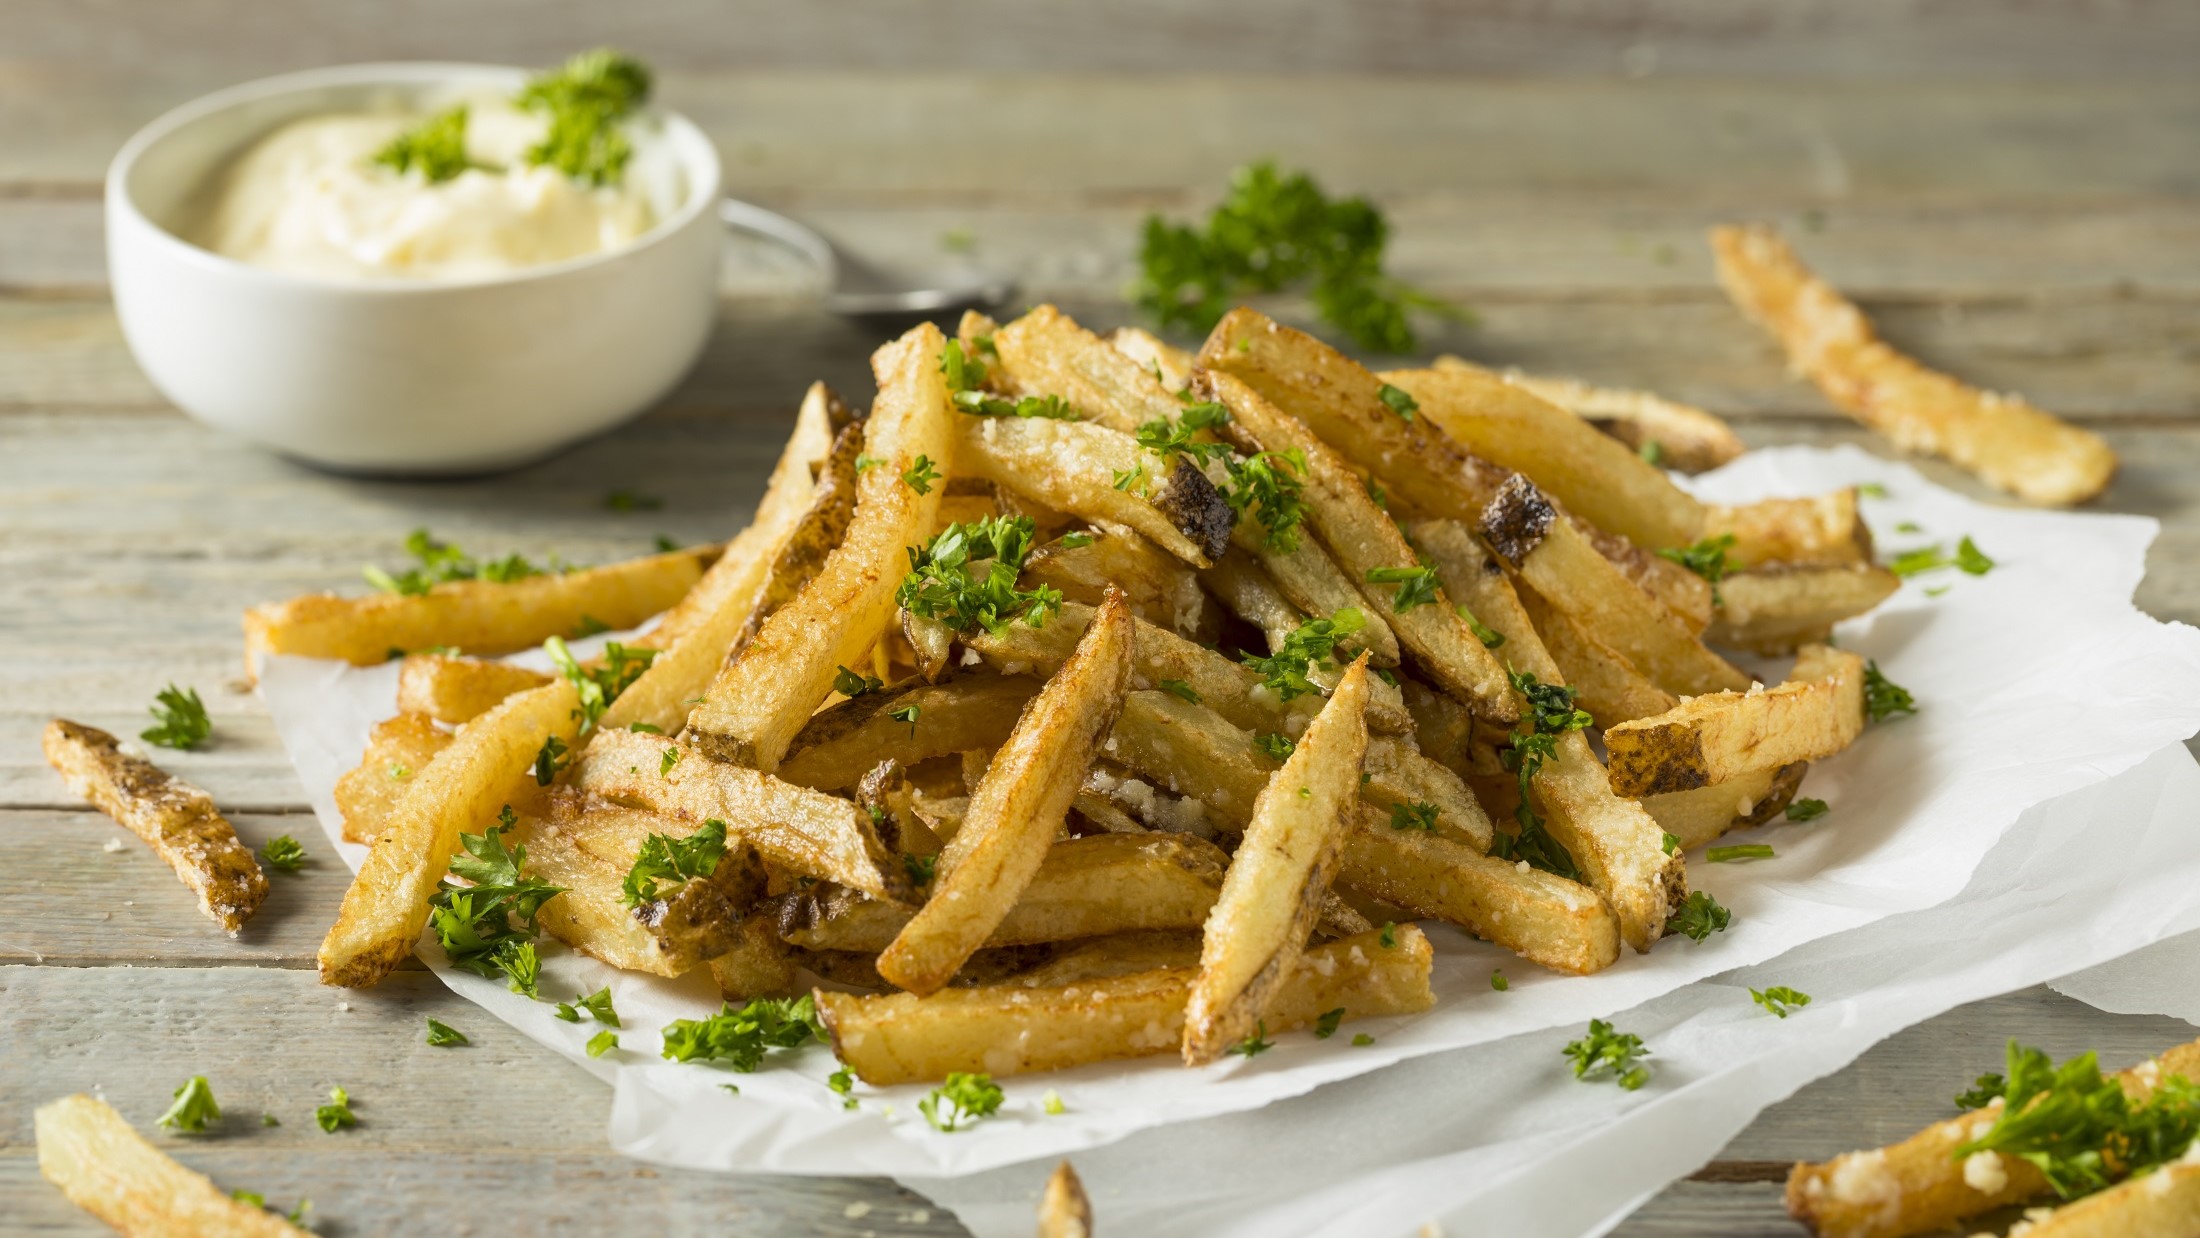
467 185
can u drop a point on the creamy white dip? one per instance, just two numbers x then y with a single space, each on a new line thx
310 200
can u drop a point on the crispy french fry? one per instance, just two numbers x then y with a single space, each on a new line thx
2001 438
1546 919
1606 683
757 964
819 420
1099 474
1064 1212
1367 544
2164 1203
397 750
1015 1029
177 820
1593 474
1708 739
1277 882
1094 886
762 698
812 537
478 616
1017 808
1774 609
457 690
1917 1187
106 1168
847 740
1558 562
1159 588
1615 843
1822 529
1120 954
1251 594
1750 798
1664 432
1171 366
1046 352
461 788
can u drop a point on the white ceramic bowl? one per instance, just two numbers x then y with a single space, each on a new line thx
399 376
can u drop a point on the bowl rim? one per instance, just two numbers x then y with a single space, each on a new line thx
697 154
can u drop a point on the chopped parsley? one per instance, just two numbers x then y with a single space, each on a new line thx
1984 1091
961 371
1498 981
2080 1129
335 1115
670 758
740 1037
1606 1051
663 858
1707 558
1179 689
1651 451
1399 401
1256 1042
1311 644
589 626
283 852
1326 1025
1388 938
1125 479
850 684
665 545
585 99
1669 843
1780 1000
1490 637
1740 851
1051 1102
1884 698
435 148
1274 231
179 719
1414 816
1170 439
475 922
195 1108
1050 407
550 759
441 562
632 501
441 1034
1968 559
1551 714
1075 541
1362 1039
1416 585
919 867
1871 490
1278 747
1699 917
947 583
602 1042
599 683
907 713
962 1100
843 1081
645 728
1806 810
1269 484
920 476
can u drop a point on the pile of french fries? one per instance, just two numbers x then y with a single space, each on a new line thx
1259 659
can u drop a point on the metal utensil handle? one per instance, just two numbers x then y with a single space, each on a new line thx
772 226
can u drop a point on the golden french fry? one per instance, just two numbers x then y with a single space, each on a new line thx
761 699
2001 438
397 750
1046 352
1279 878
2162 1203
1606 683
811 539
843 742
813 833
1015 1029
1171 366
1159 588
478 616
106 1168
177 820
1017 808
1774 609
1665 432
456 690
757 964
1708 739
1752 797
462 788
1820 530
1099 474
1064 1212
1614 841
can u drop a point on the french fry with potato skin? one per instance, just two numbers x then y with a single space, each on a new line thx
1064 1211
483 769
761 699
1609 686
1772 610
397 750
1708 739
1279 877
1170 366
1013 1029
2164 1203
457 690
1665 432
847 740
106 1168
1699 817
1016 809
757 964
1820 530
810 540
177 820
1099 474
1160 588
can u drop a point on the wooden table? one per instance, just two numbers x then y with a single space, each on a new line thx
2010 188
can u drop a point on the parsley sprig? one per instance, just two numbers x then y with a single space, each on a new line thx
440 562
585 99
1416 585
2079 1128
1608 1051
1269 484
488 927
1699 917
1707 558
435 148
663 858
1551 714
1413 816
947 582
179 719
195 1108
740 1037
1170 439
1884 698
1309 645
601 682
960 1101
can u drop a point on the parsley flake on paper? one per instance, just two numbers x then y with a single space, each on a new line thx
962 1100
1606 1051
1780 1000
740 1037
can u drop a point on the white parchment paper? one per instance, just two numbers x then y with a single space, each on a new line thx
2035 681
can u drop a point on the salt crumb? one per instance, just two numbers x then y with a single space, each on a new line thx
111 846
344 1006
920 1217
856 1211
1983 1172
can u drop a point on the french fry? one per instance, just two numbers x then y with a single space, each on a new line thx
1119 954
1017 808
1013 1029
1752 797
1095 886
1367 543
1546 919
1171 366
177 820
762 698
808 831
1606 683
1824 529
792 487
2164 1203
1101 475
1708 739
757 964
1917 1186
460 789
1251 594
809 542
847 740
1679 590
1277 882
478 616
1614 841
457 690
1665 432
397 750
1772 610
1046 352
1593 474
109 1170
1159 588
1064 1211
1558 561
2002 439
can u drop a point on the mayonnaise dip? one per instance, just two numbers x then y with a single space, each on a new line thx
310 200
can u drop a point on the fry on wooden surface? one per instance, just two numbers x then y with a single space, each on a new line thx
1279 877
397 750
109 1170
177 820
845 741
1665 432
1772 610
1017 808
476 616
1012 1029
455 689
1708 739
2001 438
762 698
1753 797
2162 1203
461 789
1064 1212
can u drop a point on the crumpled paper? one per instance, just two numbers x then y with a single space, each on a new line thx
2034 681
